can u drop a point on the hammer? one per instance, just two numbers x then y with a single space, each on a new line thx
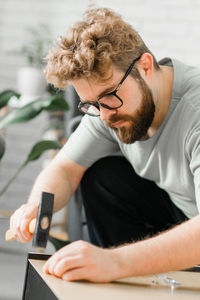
41 225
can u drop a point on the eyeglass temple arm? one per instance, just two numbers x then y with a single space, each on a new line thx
128 72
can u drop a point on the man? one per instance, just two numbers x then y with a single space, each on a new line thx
142 206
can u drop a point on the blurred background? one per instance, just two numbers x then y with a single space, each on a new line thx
27 29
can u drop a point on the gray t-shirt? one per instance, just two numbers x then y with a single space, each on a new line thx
171 158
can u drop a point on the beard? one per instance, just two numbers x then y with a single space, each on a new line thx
139 123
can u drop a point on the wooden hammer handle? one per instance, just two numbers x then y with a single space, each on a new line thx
10 237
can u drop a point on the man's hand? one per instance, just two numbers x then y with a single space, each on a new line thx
19 222
175 249
81 260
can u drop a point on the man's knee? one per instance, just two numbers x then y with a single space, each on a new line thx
108 176
106 168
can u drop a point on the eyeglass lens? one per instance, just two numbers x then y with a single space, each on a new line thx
110 101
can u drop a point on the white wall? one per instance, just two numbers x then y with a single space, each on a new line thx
169 27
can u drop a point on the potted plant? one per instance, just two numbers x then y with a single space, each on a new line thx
55 102
30 79
24 114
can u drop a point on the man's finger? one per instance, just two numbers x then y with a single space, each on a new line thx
66 264
55 258
69 250
75 274
60 265
25 230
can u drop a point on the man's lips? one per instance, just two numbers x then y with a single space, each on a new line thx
118 124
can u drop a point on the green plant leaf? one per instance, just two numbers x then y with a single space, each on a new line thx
41 147
33 109
37 150
2 145
57 243
38 40
6 95
59 103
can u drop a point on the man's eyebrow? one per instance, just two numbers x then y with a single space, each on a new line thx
104 92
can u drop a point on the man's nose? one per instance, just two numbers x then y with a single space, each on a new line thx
105 114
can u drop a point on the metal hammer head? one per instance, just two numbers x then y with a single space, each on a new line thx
43 222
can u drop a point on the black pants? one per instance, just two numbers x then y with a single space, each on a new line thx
122 207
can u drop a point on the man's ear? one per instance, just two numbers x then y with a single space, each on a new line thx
145 66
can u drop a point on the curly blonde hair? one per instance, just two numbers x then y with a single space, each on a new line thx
92 46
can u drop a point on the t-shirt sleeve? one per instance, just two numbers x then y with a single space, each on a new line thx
91 141
194 160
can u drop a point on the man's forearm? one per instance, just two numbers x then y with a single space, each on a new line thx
176 249
49 180
59 178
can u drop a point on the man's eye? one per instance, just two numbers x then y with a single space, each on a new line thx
110 100
107 98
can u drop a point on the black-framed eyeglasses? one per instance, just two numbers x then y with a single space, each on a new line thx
109 101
